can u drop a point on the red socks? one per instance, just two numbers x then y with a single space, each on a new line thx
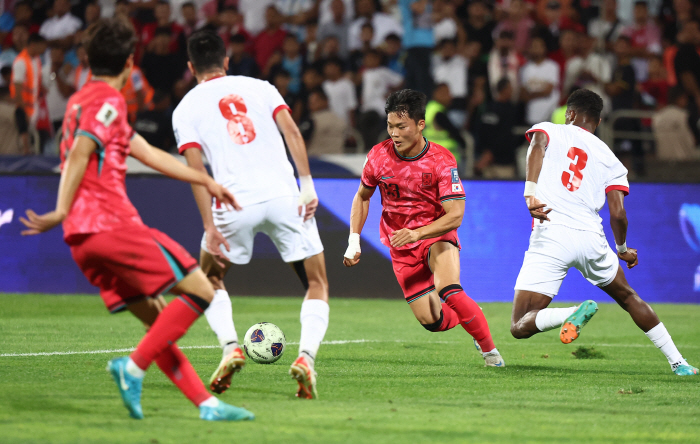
175 365
170 325
470 315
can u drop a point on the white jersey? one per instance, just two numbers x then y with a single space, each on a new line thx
232 119
578 171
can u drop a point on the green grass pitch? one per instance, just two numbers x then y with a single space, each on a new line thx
402 385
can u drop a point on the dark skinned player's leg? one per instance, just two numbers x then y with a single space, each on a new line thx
444 261
647 320
526 305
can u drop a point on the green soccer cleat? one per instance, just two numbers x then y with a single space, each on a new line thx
225 412
129 386
574 323
686 370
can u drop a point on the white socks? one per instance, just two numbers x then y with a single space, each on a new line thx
660 337
210 402
549 318
220 317
134 370
314 323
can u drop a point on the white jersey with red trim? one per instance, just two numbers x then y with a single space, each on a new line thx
578 171
232 119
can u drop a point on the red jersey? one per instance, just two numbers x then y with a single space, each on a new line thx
98 111
412 189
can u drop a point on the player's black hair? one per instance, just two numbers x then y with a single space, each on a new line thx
407 102
35 38
586 102
206 51
109 43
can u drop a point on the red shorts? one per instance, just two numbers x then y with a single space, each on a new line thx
131 265
412 269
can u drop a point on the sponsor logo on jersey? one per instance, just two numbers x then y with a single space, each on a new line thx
427 179
456 188
455 175
107 114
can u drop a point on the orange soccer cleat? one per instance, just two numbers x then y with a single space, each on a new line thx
232 363
306 377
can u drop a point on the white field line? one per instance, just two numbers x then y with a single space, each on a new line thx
339 342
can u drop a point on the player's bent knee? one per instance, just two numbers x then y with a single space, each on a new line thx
195 283
519 333
434 326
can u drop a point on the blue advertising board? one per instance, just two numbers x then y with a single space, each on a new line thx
664 227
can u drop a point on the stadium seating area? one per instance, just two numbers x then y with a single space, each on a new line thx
490 69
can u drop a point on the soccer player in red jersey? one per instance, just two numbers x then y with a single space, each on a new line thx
130 263
423 205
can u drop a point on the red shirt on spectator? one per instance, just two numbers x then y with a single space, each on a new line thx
266 43
149 31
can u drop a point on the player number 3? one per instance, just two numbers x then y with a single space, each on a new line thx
572 180
240 127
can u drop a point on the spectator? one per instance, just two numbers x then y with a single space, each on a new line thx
325 11
357 55
155 125
540 83
505 62
337 27
674 139
293 62
240 63
340 91
55 77
479 25
446 24
686 66
451 68
328 130
137 92
20 35
606 28
438 127
673 18
551 28
296 14
645 37
81 74
270 40
231 23
60 29
377 83
519 23
190 20
282 79
163 23
330 48
569 43
497 141
591 71
255 15
418 41
383 25
162 67
311 79
10 141
655 89
394 55
25 87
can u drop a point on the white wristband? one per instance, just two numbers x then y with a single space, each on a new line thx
530 188
307 192
353 246
621 248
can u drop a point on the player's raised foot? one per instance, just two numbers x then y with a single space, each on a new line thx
225 412
686 370
574 323
232 363
129 386
494 359
305 375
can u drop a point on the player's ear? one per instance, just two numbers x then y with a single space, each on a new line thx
225 63
191 68
421 125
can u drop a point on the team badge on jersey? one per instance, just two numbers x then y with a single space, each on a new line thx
455 176
427 179
107 114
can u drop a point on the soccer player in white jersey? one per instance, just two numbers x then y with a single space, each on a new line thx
569 174
236 121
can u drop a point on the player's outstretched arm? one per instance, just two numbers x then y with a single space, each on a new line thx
618 223
165 163
297 148
535 158
451 220
72 175
358 217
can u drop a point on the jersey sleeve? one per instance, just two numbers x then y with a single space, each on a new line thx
186 134
544 127
448 181
369 178
615 175
275 101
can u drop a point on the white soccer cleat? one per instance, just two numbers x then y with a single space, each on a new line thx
305 375
494 359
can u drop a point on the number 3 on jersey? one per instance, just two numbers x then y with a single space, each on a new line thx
572 180
240 127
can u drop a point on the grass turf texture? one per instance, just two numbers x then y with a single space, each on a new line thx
408 386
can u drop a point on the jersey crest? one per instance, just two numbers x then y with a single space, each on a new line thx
107 114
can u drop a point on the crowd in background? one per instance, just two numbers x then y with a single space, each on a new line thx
486 66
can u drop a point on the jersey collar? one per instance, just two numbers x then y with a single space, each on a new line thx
411 159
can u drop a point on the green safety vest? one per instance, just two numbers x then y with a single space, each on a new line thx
441 137
559 115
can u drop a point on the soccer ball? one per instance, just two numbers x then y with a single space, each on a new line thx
264 343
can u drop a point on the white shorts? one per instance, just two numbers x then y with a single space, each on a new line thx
279 219
556 248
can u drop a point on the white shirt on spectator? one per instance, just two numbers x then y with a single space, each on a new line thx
55 101
383 25
535 77
325 15
254 14
452 72
291 8
341 97
59 27
176 9
376 84
445 29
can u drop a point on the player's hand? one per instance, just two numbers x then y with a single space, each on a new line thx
308 200
223 195
403 237
537 209
629 256
40 223
352 262
214 239
309 209
352 254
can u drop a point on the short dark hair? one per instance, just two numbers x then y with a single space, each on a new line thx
188 5
675 93
334 61
238 38
35 38
586 102
320 92
502 84
206 50
407 102
162 30
393 37
109 43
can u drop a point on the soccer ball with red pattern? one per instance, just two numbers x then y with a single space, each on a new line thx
264 343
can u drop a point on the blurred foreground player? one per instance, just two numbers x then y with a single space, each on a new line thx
423 205
130 263
236 121
569 174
